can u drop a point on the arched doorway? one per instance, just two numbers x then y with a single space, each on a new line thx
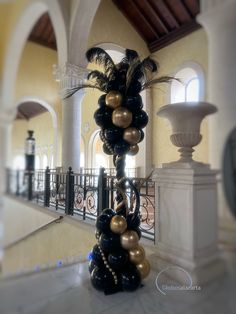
37 115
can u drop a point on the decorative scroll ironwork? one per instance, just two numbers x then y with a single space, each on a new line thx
86 194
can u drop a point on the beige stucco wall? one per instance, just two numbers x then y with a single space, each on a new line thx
35 79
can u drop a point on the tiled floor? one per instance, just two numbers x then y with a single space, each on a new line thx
68 290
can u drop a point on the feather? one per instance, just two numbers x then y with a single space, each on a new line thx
74 90
162 79
101 57
130 56
100 79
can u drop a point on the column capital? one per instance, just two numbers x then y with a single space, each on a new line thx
69 76
7 116
217 12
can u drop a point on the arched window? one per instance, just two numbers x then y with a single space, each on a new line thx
45 162
190 87
99 158
19 162
37 162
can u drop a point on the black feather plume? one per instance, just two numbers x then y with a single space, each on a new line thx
101 57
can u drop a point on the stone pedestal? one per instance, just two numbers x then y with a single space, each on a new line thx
186 222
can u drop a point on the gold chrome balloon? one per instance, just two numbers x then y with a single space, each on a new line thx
132 135
122 117
113 99
144 268
129 239
133 150
137 255
118 224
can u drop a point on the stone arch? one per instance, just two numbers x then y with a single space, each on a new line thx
22 30
54 120
81 23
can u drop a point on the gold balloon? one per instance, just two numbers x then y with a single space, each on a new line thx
132 135
137 255
118 224
113 99
144 268
133 150
129 239
122 117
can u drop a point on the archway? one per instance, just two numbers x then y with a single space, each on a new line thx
53 155
22 30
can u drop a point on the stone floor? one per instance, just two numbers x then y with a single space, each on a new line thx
68 290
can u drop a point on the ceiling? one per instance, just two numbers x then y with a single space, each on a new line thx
159 22
43 33
29 110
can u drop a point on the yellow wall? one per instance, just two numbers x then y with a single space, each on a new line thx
9 16
43 134
35 79
110 26
194 48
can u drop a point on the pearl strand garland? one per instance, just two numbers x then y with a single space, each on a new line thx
108 266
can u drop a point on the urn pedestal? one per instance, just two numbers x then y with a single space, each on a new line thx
185 119
186 207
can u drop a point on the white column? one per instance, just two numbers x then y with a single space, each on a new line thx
144 157
219 20
6 118
69 77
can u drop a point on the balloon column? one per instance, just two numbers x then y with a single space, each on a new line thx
118 261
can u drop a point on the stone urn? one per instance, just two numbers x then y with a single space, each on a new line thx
185 119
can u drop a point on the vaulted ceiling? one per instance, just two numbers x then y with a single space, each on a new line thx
159 22
29 110
43 32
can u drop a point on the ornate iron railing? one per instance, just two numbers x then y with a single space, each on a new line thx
84 194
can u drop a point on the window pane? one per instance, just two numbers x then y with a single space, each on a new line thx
192 90
37 162
177 92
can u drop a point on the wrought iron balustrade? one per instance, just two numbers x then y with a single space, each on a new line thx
84 194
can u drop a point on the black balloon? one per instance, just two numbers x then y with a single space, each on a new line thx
101 100
134 103
109 242
135 88
106 150
103 222
92 265
103 116
117 259
113 134
133 221
140 119
102 279
121 148
130 279
142 135
109 212
113 85
96 256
